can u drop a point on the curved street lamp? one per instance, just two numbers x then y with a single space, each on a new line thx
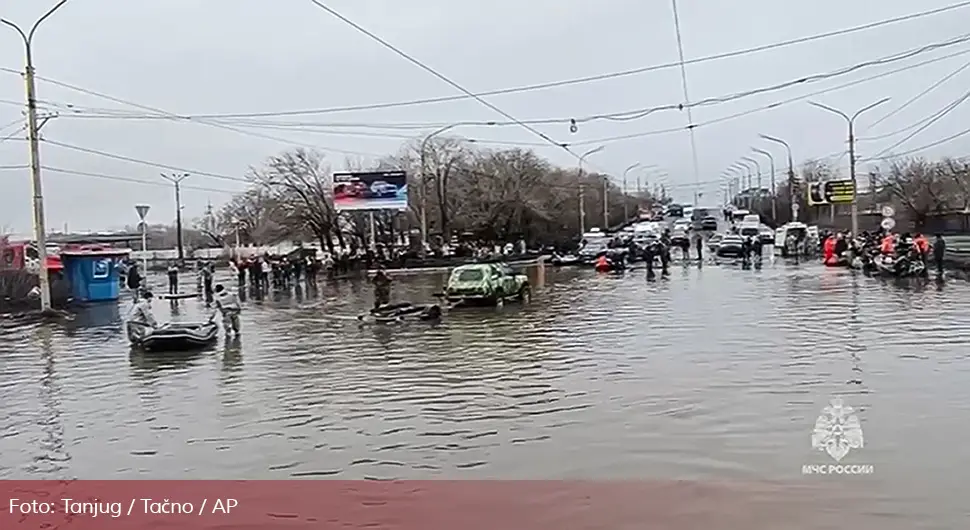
851 122
40 228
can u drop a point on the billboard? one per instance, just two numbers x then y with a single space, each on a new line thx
831 192
370 190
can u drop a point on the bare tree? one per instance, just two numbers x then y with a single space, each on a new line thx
300 182
256 214
918 186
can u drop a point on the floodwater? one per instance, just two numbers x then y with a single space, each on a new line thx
715 375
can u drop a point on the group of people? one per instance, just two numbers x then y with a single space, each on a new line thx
842 248
141 320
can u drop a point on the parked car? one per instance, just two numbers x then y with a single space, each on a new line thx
486 284
729 247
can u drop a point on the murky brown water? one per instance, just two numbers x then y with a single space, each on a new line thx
714 375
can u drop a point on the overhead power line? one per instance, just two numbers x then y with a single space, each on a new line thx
920 148
599 77
157 165
132 180
919 96
619 116
730 117
939 115
441 76
210 123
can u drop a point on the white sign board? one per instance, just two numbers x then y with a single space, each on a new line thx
142 210
888 223
887 211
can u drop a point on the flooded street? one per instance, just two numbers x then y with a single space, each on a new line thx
715 375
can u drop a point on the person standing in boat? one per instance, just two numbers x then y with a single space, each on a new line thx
206 275
382 288
227 303
141 320
173 278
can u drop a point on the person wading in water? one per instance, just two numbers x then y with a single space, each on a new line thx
173 279
382 289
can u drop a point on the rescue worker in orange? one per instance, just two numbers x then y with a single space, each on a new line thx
923 246
603 263
828 249
888 245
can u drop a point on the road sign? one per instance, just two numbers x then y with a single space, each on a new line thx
887 211
142 210
815 196
888 223
839 191
831 192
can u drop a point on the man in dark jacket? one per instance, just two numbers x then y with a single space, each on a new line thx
382 289
939 251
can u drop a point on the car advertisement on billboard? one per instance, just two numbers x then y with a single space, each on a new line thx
370 190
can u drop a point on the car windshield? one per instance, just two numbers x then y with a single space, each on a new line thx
749 231
594 246
470 275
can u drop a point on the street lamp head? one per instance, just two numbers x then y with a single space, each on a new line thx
593 151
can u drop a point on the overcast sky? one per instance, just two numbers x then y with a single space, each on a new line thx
245 56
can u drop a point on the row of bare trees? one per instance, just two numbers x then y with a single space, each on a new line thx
489 195
924 193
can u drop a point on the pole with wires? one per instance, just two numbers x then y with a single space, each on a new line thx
176 179
33 138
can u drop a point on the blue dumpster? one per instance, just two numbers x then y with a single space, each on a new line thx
94 273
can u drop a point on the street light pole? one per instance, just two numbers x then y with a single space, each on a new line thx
757 165
582 192
791 174
774 200
176 179
424 181
33 138
626 213
851 121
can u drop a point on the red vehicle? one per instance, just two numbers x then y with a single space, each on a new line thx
23 255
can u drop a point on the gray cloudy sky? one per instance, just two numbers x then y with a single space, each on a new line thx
243 56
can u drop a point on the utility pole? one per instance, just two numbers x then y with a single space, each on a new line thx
176 179
851 122
606 203
33 138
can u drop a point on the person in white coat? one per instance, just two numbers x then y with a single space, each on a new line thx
227 302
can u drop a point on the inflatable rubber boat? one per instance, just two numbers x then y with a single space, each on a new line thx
402 311
174 336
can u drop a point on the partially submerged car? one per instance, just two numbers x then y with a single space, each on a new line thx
486 284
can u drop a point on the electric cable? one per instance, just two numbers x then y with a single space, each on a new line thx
939 115
442 77
133 180
687 103
157 165
618 116
917 97
163 112
594 78
730 117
